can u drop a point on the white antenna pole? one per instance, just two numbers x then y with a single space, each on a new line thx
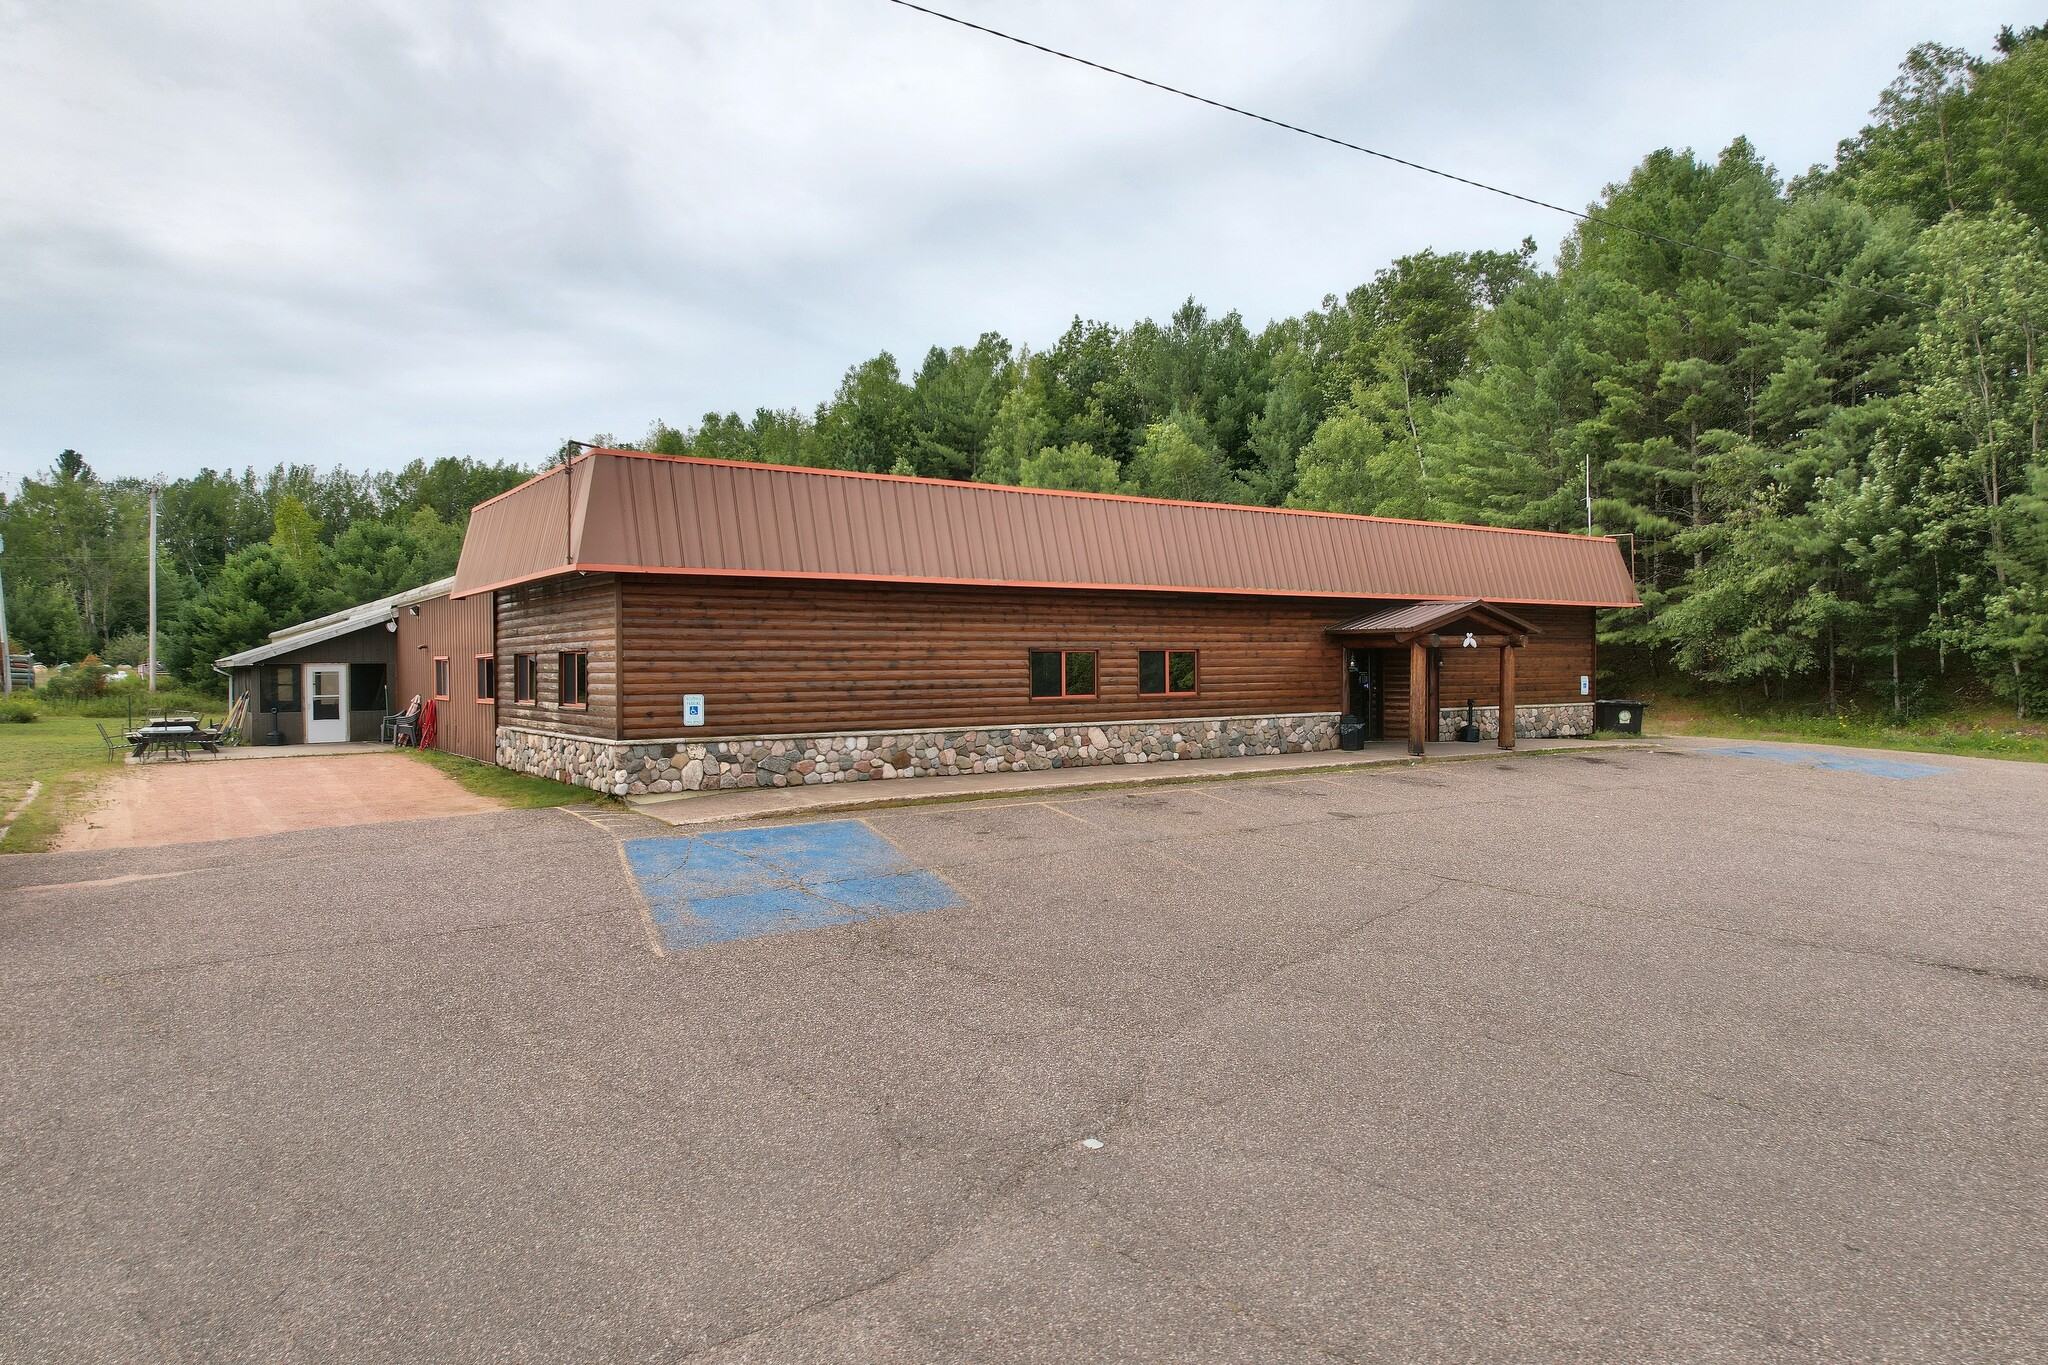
1589 490
152 589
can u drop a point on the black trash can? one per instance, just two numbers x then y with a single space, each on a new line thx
1351 733
1621 717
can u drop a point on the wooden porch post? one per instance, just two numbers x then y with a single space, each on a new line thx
1419 707
1507 696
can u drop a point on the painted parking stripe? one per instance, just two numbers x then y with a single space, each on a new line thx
1835 763
703 889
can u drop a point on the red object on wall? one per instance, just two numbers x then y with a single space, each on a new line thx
427 724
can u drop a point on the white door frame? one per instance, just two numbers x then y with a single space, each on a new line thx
326 731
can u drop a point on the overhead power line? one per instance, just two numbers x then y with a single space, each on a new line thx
1578 214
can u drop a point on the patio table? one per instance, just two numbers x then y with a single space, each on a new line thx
180 736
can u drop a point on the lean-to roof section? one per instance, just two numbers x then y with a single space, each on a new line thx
634 513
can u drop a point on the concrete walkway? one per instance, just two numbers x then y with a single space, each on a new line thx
767 803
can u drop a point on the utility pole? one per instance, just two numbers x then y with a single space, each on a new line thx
6 646
152 587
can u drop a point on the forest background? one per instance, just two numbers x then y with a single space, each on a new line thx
1817 427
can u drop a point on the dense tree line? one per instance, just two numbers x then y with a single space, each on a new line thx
238 555
1817 427
1826 465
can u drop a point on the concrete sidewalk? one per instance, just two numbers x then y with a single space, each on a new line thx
768 803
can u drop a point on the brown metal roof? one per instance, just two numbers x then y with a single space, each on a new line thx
628 512
1418 617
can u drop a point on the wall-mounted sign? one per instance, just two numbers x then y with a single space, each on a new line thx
1471 640
693 709
1585 686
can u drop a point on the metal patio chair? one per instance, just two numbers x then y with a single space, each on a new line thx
116 749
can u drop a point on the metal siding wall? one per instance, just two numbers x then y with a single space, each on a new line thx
461 630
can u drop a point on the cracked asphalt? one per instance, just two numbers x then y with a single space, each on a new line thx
1628 1056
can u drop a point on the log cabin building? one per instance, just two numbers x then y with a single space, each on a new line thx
645 623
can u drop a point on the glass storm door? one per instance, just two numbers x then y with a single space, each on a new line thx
326 716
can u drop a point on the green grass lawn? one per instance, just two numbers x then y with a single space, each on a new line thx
1982 731
514 789
65 754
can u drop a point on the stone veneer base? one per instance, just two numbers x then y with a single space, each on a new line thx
640 766
1562 720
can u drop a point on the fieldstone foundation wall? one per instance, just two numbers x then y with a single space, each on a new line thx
1566 719
637 767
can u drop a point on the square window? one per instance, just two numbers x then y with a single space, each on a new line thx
1166 672
366 688
278 689
1062 672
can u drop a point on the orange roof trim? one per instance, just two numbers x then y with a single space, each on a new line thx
635 512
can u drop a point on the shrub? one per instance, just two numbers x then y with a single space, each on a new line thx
19 710
80 681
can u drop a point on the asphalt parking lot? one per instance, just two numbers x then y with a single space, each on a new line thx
1624 1056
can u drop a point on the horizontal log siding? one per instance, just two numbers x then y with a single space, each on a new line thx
808 658
1546 670
546 618
1394 694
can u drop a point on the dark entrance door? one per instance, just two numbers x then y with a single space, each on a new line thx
1364 693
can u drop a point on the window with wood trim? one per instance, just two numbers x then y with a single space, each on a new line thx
486 677
1166 672
572 671
442 679
525 677
1062 672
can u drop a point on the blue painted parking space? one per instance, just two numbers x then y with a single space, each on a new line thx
1834 763
715 888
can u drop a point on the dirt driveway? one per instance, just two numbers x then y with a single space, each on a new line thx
187 803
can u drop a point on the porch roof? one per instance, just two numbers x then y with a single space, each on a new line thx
1420 618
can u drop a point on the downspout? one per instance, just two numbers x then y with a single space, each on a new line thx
231 683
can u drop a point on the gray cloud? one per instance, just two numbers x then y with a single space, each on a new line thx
235 233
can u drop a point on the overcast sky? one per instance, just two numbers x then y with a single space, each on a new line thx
363 232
